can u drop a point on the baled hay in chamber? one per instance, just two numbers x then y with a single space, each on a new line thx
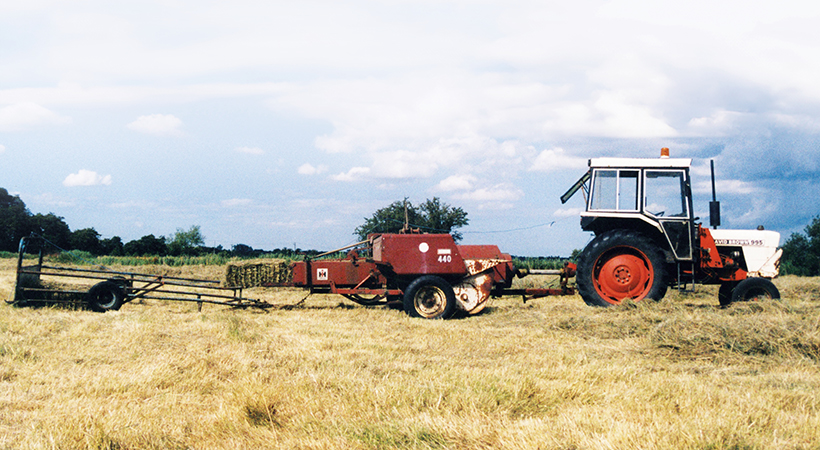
257 272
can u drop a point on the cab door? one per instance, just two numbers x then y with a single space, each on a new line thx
667 199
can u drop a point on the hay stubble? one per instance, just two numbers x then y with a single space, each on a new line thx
547 374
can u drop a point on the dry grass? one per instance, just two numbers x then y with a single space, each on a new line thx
551 373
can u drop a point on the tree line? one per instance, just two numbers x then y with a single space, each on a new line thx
801 252
16 222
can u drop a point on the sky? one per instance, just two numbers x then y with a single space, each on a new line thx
285 124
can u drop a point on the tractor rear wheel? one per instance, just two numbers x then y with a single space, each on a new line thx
620 265
752 289
430 297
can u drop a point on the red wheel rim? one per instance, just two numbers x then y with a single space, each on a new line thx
621 273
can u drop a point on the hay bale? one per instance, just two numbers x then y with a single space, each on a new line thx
257 272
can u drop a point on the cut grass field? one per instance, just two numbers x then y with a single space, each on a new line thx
328 374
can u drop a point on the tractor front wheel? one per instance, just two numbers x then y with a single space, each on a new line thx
752 289
429 297
620 265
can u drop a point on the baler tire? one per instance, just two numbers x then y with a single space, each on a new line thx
755 288
429 297
372 301
619 265
105 296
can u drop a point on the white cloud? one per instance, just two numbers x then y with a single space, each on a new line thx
625 117
157 125
26 115
236 202
456 183
500 192
86 178
308 169
250 150
568 212
354 174
122 94
726 187
556 159
403 164
134 204
399 164
719 123
2 148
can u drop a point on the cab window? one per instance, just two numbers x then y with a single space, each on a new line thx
614 190
664 193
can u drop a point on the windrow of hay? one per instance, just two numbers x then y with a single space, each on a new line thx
803 288
758 329
257 272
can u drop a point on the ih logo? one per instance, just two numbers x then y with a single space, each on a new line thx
321 274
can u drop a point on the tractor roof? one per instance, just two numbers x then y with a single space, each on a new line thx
638 163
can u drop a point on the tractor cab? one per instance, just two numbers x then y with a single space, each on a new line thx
652 196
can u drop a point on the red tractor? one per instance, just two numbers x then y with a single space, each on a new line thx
647 238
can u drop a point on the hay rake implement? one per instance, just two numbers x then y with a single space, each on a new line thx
50 284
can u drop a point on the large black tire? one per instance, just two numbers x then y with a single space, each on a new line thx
754 289
725 292
429 297
105 296
619 265
364 301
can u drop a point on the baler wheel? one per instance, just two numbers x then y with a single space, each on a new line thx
429 297
619 265
367 301
105 296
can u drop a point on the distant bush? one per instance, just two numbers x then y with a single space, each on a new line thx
74 257
539 262
801 253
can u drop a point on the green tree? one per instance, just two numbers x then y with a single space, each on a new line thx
53 228
14 221
801 253
146 245
87 240
186 242
432 216
243 250
112 246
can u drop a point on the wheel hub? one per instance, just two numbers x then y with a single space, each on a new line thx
623 274
429 301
